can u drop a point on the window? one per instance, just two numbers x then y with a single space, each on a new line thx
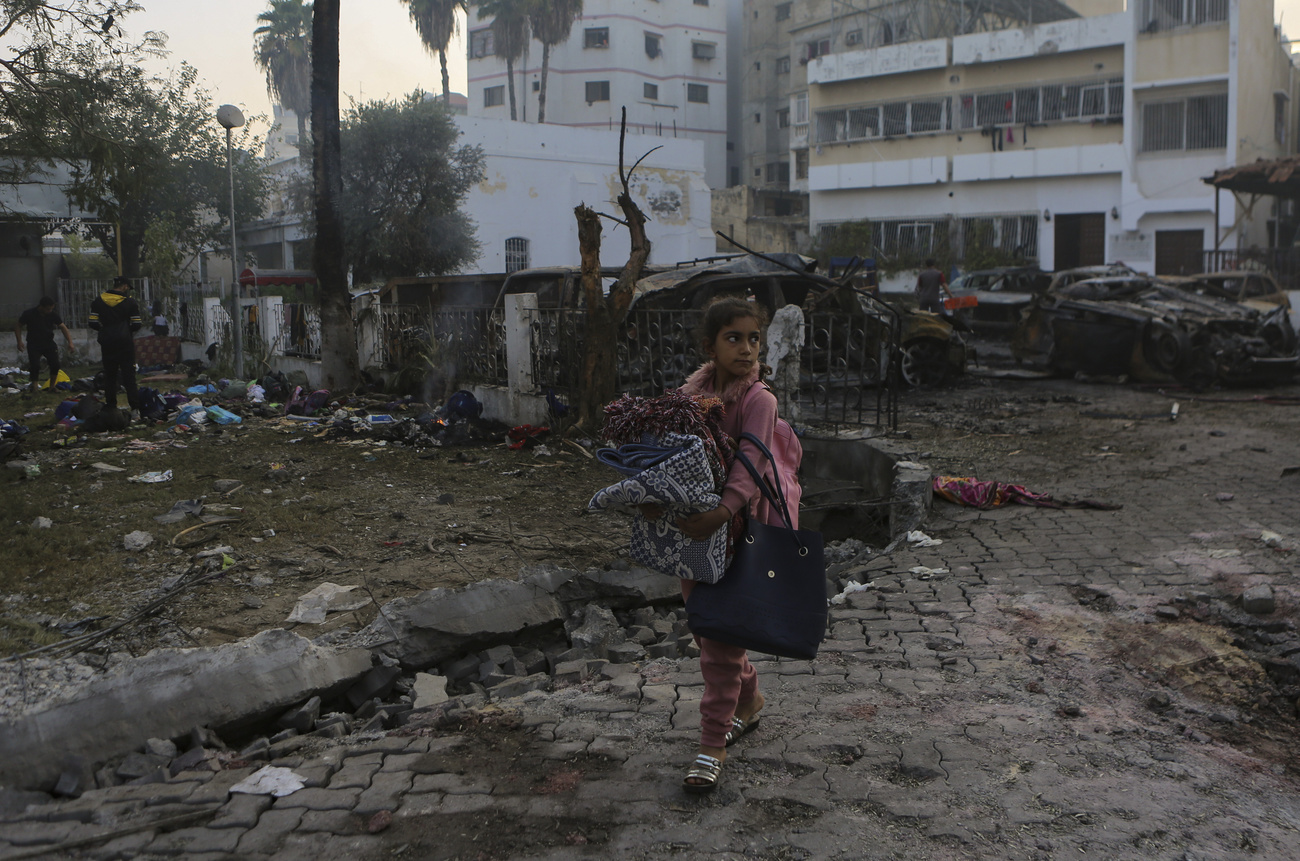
853 37
516 253
1160 15
537 86
704 50
817 48
493 96
1193 123
1280 101
481 43
597 91
701 2
801 164
783 65
895 119
771 171
783 11
698 93
650 91
654 45
595 37
801 109
783 118
758 117
1083 101
783 173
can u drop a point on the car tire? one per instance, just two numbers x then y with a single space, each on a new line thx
1166 347
924 363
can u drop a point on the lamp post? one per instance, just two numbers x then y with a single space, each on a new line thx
232 117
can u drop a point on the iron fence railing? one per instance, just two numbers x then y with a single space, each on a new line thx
180 304
294 329
1282 263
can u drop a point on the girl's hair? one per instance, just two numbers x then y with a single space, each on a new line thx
721 311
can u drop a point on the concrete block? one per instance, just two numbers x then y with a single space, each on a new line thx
302 718
163 694
1258 600
429 690
517 687
377 682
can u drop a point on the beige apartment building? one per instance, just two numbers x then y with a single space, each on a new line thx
1072 133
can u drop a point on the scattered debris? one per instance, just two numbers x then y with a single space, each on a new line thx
326 598
138 540
152 477
270 780
920 539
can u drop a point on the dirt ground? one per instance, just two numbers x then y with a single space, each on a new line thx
313 505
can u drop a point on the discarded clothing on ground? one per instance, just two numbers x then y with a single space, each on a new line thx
991 494
680 484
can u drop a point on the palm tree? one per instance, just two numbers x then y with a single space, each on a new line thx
510 35
282 49
437 23
552 22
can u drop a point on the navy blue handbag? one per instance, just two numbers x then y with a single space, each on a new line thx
773 597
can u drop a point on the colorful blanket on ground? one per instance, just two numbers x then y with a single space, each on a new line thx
991 494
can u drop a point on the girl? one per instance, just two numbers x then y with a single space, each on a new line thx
731 338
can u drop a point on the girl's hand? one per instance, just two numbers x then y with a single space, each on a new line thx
650 511
700 525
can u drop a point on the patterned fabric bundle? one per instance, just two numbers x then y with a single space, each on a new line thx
679 484
632 419
992 494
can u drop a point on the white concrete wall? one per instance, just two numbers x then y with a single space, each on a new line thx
627 67
537 174
1056 37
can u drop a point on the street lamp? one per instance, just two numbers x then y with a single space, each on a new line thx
232 117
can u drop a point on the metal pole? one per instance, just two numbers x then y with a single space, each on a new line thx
237 316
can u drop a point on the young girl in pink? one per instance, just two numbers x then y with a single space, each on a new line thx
731 338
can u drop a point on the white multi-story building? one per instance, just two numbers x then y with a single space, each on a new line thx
1082 139
665 61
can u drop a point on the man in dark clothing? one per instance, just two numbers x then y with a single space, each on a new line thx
116 316
929 283
41 322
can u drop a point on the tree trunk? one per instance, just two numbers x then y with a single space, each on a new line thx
302 137
446 79
599 352
339 365
541 94
510 81
605 314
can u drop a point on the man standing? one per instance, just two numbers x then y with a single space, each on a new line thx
116 316
41 322
929 283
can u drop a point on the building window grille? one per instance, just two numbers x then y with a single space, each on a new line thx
595 37
783 65
892 120
481 43
698 93
1159 15
516 253
493 96
651 92
1013 234
597 91
1192 123
704 50
783 11
654 45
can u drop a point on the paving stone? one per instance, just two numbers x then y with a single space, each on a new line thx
270 832
610 747
216 789
321 799
191 842
126 846
384 793
36 833
241 811
356 772
314 847
341 822
920 761
452 784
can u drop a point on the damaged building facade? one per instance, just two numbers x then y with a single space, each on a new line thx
1071 133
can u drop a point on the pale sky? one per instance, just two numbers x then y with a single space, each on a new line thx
380 53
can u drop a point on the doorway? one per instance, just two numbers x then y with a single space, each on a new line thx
1180 252
1080 240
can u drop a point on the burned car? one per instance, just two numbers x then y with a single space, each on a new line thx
1151 330
1000 295
1255 288
847 330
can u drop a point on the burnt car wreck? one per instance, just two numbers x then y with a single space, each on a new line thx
1153 331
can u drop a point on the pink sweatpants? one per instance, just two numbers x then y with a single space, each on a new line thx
729 679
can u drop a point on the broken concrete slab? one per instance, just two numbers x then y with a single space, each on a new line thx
164 694
429 690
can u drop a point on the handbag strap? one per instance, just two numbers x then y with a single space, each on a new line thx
777 499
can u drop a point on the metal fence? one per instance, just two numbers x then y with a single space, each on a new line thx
294 329
181 304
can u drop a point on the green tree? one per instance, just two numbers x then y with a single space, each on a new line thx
142 150
35 75
437 22
510 35
552 23
404 179
282 49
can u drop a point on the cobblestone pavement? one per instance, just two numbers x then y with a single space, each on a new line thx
1046 684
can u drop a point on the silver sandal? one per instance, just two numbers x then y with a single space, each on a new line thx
706 770
741 727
